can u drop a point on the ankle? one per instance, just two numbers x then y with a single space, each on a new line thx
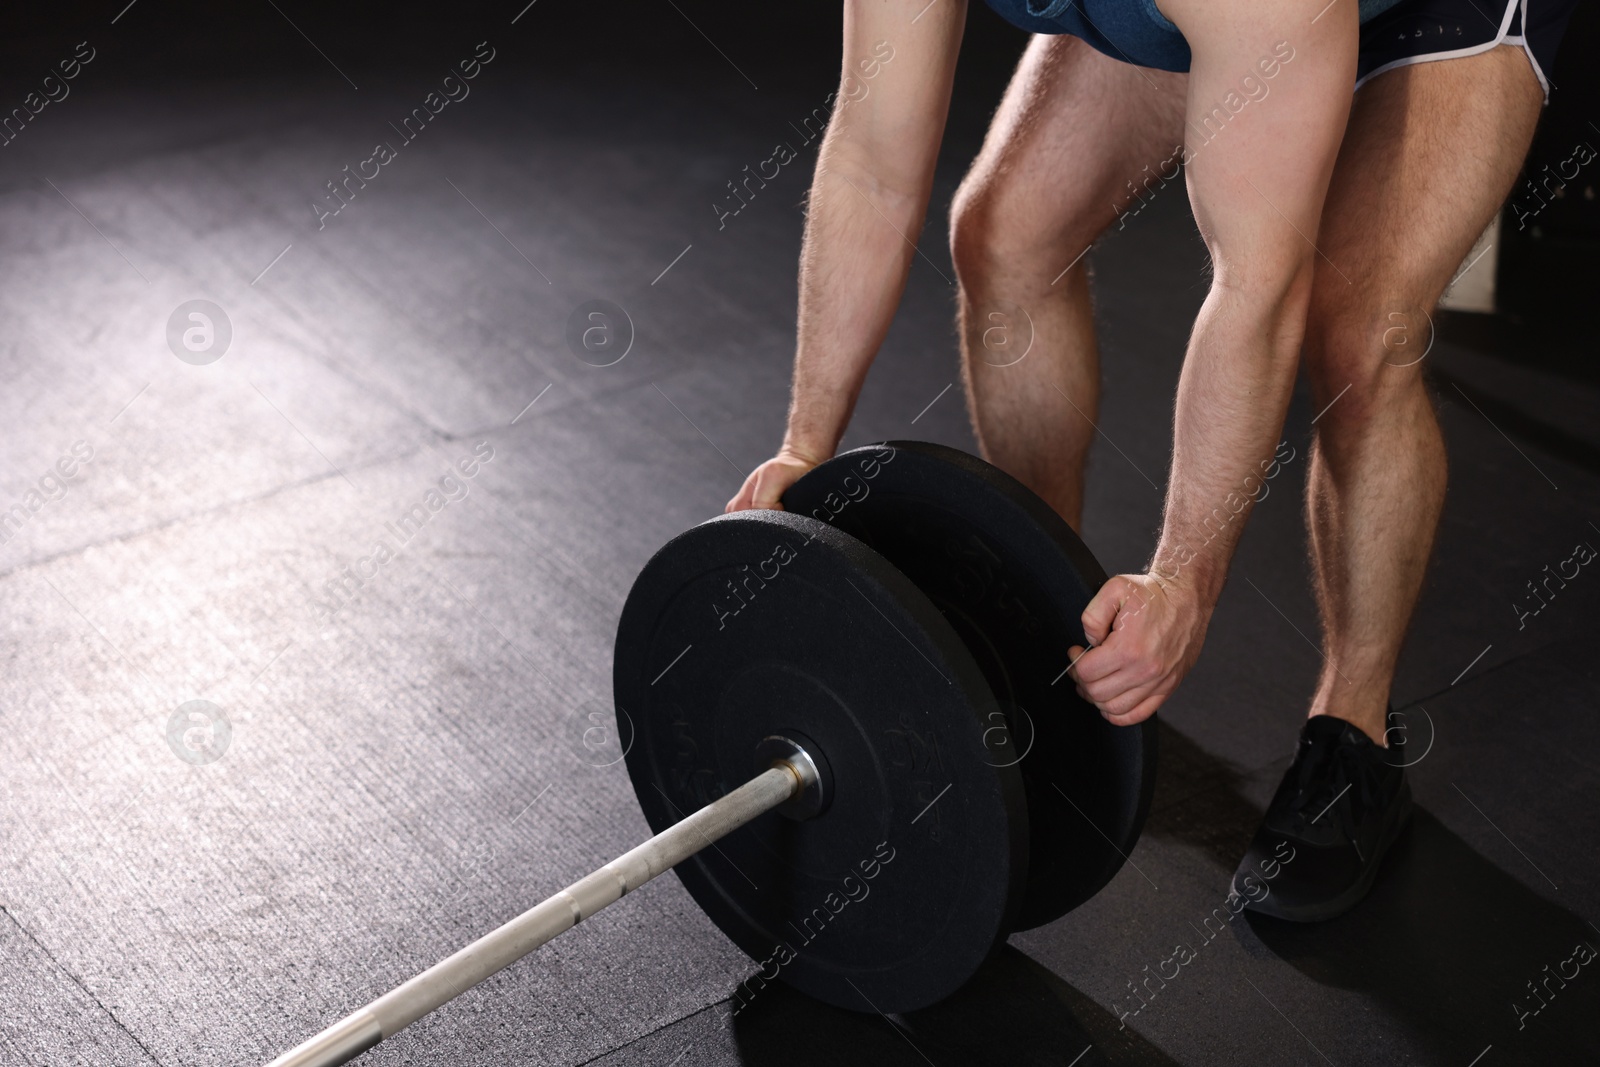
1372 722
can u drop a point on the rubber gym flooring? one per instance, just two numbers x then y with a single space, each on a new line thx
401 769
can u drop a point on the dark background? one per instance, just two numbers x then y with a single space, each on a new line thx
1545 271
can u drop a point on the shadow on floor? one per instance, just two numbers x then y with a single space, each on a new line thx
1013 1012
1444 946
1448 942
1200 802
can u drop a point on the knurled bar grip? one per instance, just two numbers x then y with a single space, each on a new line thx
454 975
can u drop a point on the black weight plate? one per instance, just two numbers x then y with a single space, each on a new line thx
765 623
1013 579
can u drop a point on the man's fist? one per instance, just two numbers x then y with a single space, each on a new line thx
767 483
1144 637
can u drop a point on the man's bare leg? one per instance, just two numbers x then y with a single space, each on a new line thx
1431 153
1074 130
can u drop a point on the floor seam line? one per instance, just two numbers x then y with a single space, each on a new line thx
440 435
1439 693
650 1033
75 980
216 509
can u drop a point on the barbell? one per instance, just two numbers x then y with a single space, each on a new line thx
849 726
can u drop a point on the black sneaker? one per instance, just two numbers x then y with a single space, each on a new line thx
1340 806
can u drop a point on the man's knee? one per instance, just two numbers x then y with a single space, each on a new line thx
1364 352
996 224
979 228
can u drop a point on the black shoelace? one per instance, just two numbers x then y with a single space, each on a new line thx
1337 777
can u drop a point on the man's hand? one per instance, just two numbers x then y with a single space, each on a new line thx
1145 636
767 483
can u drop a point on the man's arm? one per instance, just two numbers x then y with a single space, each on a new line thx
1258 171
867 203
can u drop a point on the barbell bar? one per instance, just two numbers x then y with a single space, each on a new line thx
792 777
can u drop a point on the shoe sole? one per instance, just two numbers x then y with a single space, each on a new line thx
1399 819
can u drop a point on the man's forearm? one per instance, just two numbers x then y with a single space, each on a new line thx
853 265
1232 397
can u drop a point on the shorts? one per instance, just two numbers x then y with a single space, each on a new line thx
1393 32
1420 31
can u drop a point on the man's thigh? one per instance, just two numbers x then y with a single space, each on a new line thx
1431 152
1075 138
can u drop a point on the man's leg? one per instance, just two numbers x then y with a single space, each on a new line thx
1076 133
1432 151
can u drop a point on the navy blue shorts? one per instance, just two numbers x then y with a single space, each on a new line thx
1393 32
